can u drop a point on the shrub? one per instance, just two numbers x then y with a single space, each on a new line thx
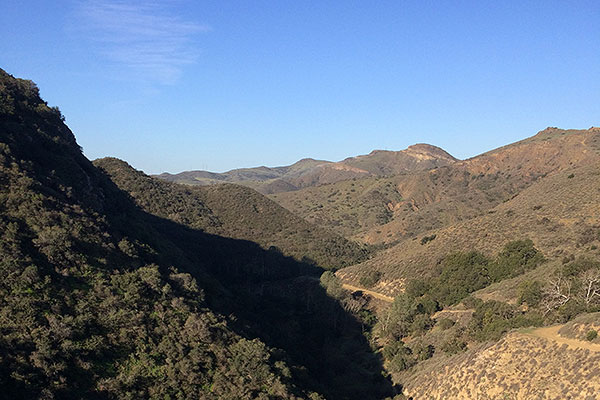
516 258
394 348
397 319
421 324
591 335
417 288
370 278
493 318
445 323
427 305
472 302
454 346
422 351
332 285
530 292
427 239
401 362
461 274
399 356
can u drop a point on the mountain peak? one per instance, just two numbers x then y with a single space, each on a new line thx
431 150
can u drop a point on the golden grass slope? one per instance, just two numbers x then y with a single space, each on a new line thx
581 326
521 366
560 213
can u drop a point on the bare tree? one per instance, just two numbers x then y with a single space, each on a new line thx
590 286
557 293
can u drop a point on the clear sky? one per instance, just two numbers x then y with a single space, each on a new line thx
179 85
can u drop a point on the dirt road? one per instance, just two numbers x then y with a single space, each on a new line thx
376 295
551 333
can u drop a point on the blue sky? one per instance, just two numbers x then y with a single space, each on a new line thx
179 85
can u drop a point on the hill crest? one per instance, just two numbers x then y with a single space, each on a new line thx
309 172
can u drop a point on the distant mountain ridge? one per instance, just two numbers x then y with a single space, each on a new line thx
309 172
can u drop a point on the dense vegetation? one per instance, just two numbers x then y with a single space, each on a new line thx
101 299
458 275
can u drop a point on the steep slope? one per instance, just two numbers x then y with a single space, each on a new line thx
560 213
81 315
550 150
309 172
237 212
101 299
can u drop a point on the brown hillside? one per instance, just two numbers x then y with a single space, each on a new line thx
348 207
560 213
414 203
386 210
549 150
417 157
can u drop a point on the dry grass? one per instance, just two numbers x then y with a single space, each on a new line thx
517 367
347 207
580 326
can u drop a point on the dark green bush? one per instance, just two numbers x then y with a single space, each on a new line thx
591 335
370 278
492 319
461 274
454 345
530 293
445 323
517 257
427 239
422 351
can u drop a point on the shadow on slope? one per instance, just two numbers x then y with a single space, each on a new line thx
266 294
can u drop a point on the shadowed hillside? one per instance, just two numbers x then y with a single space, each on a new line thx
101 299
237 212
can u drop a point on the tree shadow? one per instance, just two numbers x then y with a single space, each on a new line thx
266 294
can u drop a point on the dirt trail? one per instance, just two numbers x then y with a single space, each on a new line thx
551 333
442 312
376 295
